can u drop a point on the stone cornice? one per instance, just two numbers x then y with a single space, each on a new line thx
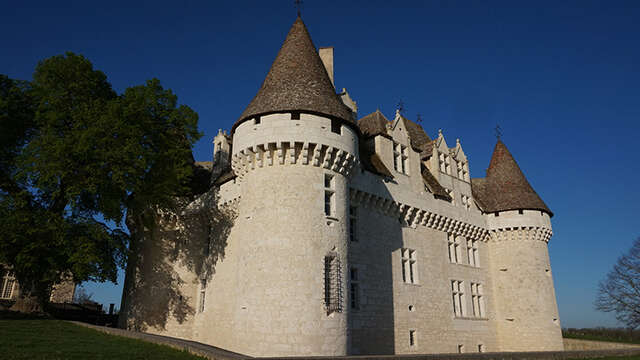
290 153
413 216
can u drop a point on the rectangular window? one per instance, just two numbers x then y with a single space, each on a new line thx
455 251
460 349
409 266
400 158
7 282
457 292
203 289
466 202
353 224
332 283
354 289
452 195
329 195
336 127
477 300
295 115
480 348
472 253
441 161
412 338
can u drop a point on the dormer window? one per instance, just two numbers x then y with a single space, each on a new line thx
463 170
400 158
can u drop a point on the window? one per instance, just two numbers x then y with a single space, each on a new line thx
256 120
460 349
457 291
409 270
353 224
400 158
447 164
452 195
466 202
332 283
7 282
455 252
477 300
463 170
412 338
354 290
480 348
329 194
336 127
472 253
203 289
441 161
295 115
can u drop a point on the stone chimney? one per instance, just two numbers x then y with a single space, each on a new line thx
326 55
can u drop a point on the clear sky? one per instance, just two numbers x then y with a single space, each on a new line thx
560 77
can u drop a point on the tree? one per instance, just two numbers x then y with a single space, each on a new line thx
76 158
619 292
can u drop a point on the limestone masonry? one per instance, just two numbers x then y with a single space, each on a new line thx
313 233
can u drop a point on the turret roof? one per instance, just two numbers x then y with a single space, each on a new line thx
297 81
505 187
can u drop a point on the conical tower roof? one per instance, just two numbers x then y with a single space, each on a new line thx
297 81
506 187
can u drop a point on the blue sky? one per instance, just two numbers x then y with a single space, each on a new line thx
560 77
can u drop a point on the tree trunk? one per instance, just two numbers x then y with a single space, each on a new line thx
28 301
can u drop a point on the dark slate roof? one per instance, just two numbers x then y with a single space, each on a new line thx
418 136
372 162
373 124
297 81
433 184
427 150
505 186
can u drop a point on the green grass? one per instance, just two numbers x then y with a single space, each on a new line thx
599 338
55 339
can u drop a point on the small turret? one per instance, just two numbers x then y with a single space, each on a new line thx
221 153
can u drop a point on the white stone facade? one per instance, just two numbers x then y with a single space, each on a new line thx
324 257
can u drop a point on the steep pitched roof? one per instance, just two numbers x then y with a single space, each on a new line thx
417 135
505 186
433 184
297 81
373 124
372 162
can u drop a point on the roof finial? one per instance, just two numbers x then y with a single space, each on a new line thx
498 130
400 107
298 4
419 118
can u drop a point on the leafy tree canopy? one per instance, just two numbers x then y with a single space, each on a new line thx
74 158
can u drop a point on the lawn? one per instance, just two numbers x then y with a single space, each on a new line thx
55 339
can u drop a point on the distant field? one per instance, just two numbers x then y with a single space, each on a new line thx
54 339
599 337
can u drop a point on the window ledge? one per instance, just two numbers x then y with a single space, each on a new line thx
470 318
333 218
466 265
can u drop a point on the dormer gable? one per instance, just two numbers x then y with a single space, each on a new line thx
442 153
461 162
399 131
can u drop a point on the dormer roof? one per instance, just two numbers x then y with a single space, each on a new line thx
373 124
297 81
417 135
505 187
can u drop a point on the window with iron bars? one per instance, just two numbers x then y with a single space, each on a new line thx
332 283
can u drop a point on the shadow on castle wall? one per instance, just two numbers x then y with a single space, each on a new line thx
191 238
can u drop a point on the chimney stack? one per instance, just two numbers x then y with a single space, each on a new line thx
326 55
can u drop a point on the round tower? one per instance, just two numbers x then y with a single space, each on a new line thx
520 228
293 150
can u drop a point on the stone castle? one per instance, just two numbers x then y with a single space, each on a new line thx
313 233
